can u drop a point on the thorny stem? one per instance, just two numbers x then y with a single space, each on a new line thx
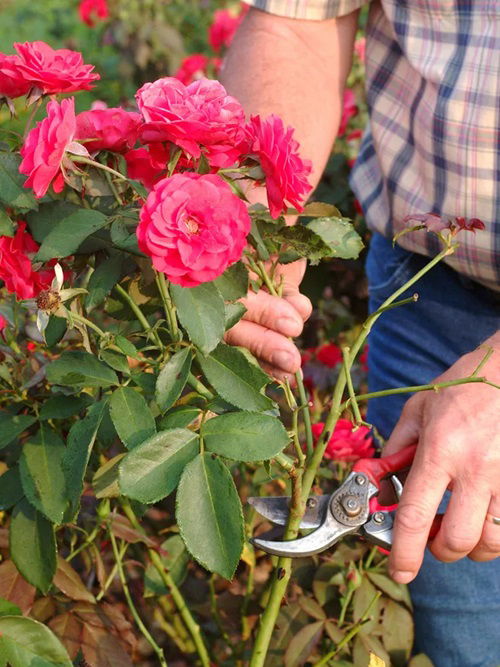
86 322
168 305
131 606
350 388
86 160
191 624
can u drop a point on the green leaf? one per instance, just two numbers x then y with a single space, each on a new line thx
69 231
397 633
319 209
33 545
123 238
62 407
172 378
201 312
105 480
13 425
131 416
42 475
116 360
236 379
233 283
175 560
55 330
244 436
398 592
28 643
152 470
80 369
303 644
41 222
128 348
179 417
9 609
6 224
340 235
234 313
12 190
209 515
102 281
11 490
81 439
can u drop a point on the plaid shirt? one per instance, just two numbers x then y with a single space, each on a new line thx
433 141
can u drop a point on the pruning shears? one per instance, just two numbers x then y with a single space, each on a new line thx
346 511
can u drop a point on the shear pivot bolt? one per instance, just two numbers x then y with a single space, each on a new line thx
351 506
311 503
379 517
359 479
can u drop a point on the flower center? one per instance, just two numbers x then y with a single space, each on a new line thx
191 226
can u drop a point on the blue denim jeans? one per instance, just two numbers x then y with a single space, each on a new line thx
456 605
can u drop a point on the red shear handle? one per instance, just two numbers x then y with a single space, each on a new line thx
377 469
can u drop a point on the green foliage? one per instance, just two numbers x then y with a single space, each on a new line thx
25 642
172 378
131 417
201 312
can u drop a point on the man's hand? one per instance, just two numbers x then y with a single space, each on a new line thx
270 321
458 435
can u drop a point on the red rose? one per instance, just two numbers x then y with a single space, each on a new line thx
278 154
329 354
114 130
346 443
200 115
54 70
147 165
224 27
92 10
3 325
45 146
349 110
12 81
192 68
15 265
193 227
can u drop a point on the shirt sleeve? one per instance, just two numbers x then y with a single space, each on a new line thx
314 10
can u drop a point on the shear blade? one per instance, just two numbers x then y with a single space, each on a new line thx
276 509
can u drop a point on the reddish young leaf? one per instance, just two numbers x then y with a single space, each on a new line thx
69 582
69 631
101 649
14 588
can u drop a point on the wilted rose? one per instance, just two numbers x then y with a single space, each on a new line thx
347 443
193 227
54 70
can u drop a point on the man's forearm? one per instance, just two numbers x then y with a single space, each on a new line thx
296 69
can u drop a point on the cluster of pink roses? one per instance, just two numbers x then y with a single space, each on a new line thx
192 225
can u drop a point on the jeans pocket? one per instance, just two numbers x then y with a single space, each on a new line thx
388 267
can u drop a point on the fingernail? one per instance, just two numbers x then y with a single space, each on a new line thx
283 360
288 326
402 576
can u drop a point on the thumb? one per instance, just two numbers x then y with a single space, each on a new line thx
407 430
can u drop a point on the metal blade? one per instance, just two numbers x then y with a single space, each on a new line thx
322 538
276 509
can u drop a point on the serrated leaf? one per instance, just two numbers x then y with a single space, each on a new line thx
101 648
62 407
236 380
123 238
68 630
14 588
152 469
172 378
209 515
42 474
12 426
105 480
33 545
340 236
6 224
179 417
11 490
81 439
27 642
245 436
68 581
201 312
116 360
320 209
68 231
234 313
102 281
126 347
233 283
397 592
12 190
80 369
303 644
131 416
175 560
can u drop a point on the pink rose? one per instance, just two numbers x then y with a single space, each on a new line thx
346 443
278 153
192 68
45 146
93 10
15 265
12 81
54 70
193 227
147 165
350 109
114 130
224 27
195 117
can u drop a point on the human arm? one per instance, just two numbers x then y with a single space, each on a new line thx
457 430
297 70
